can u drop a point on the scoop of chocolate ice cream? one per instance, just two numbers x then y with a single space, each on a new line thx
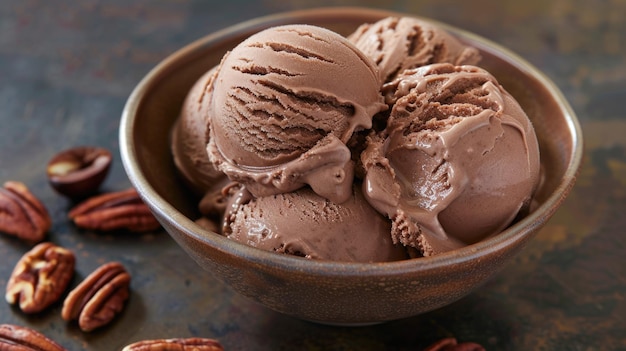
286 101
399 43
190 137
305 224
457 161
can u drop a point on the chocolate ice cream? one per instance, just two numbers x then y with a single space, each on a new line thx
399 43
458 159
286 101
452 157
305 224
190 137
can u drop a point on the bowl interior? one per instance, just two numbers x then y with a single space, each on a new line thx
155 104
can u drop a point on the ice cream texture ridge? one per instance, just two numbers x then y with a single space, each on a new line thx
388 144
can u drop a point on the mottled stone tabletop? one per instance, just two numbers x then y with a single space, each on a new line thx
67 68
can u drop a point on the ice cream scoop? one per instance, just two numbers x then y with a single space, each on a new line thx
399 43
305 224
457 161
190 137
285 102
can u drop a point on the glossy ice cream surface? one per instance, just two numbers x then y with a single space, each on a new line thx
458 159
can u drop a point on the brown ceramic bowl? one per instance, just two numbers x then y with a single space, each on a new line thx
332 292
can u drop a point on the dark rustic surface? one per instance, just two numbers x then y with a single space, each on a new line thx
67 67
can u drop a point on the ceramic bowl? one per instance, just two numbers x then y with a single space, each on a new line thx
332 292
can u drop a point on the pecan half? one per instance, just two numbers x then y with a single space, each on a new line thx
98 298
22 214
113 211
79 171
189 344
16 338
40 277
450 344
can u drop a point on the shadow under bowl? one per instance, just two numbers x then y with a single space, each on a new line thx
334 292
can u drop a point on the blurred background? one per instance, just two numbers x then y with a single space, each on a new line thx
67 68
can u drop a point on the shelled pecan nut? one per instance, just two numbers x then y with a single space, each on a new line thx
78 172
188 344
450 344
22 214
16 338
40 277
113 211
98 298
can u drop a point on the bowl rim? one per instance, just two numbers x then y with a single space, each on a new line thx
515 233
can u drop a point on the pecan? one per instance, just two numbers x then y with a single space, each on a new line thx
22 214
450 344
113 211
98 298
189 344
79 171
16 338
40 277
